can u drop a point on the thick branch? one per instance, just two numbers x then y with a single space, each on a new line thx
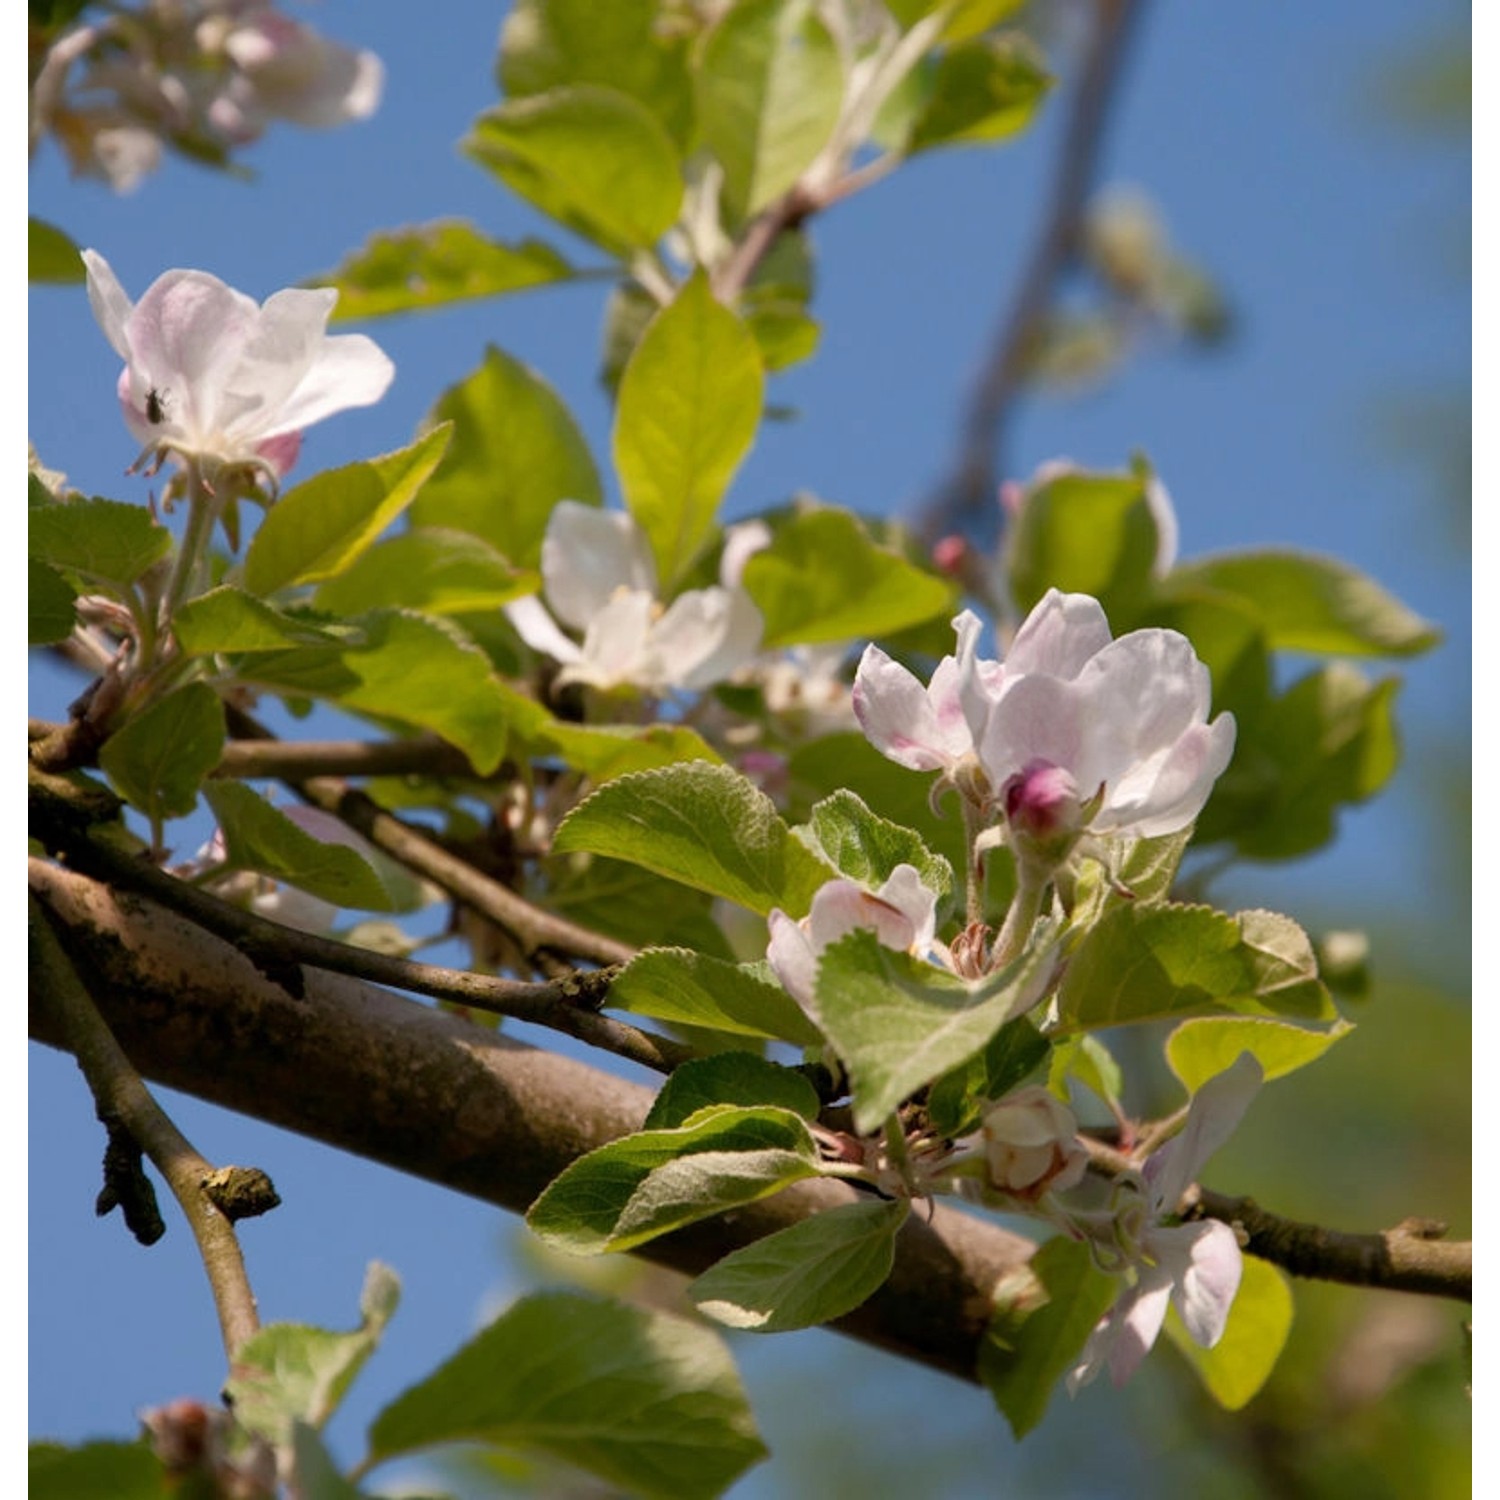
125 1104
969 491
354 1066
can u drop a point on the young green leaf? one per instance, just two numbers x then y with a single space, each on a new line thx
287 1372
867 848
431 569
435 265
824 579
807 1274
987 89
688 408
704 825
655 1181
316 1476
95 1471
103 542
516 452
770 88
318 529
49 604
50 255
632 904
1259 1322
1197 1050
739 1078
1042 1319
229 621
648 1402
694 989
159 759
899 1023
604 751
592 158
955 1103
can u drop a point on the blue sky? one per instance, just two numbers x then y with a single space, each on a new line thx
1256 130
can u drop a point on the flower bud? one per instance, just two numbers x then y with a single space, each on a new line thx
1031 1140
1041 801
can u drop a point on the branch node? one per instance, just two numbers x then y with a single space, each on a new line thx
240 1192
126 1185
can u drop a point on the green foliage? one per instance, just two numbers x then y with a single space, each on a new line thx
632 904
706 826
730 1078
1197 1050
603 751
590 157
646 1401
1043 1316
1235 1369
96 1471
696 989
287 1373
318 529
899 1023
987 89
868 848
51 256
436 265
655 1181
689 404
956 1101
49 604
1179 961
823 579
516 452
160 758
807 1274
770 85
229 621
103 543
432 569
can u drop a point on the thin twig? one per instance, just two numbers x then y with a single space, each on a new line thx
969 491
124 1102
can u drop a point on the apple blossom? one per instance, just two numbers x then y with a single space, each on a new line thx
902 914
600 580
1031 1144
215 379
1196 1266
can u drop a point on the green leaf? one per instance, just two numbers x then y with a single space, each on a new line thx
516 452
694 989
1043 1317
807 1274
688 408
987 89
1087 1059
823 579
956 1101
547 44
228 620
51 256
1086 534
646 1401
704 825
160 758
317 1477
784 331
868 848
1259 1322
770 87
1197 1050
655 1181
1310 603
739 1078
431 569
435 265
592 158
1177 961
318 529
288 1372
101 541
409 668
95 1471
604 751
260 837
49 604
899 1023
632 904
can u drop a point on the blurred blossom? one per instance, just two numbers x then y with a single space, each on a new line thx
213 377
600 581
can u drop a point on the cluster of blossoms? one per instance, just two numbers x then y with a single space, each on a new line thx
204 75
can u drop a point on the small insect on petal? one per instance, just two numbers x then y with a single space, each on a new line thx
156 406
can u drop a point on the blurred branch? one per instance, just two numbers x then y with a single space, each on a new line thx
127 1109
969 491
355 1066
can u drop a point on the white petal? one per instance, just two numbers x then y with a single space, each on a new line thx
900 719
792 957
741 543
844 906
917 902
1167 792
1207 1269
350 370
110 304
1213 1116
1038 718
706 635
587 555
615 647
539 630
1060 636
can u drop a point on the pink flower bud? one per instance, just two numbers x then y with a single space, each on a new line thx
948 555
1042 801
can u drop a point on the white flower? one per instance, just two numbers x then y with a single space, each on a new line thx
1195 1266
600 580
902 914
213 376
1031 1144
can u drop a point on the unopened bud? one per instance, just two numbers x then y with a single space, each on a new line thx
1031 1142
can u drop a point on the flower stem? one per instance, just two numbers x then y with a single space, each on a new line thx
203 511
1032 883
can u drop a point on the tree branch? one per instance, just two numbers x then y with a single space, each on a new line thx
969 491
125 1104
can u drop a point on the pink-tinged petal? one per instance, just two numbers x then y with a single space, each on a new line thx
280 452
110 304
1124 1335
187 335
539 630
705 636
1146 689
1060 636
965 682
301 76
1038 719
1168 791
917 902
278 356
844 906
350 370
898 718
1206 1266
792 957
1213 1116
587 555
